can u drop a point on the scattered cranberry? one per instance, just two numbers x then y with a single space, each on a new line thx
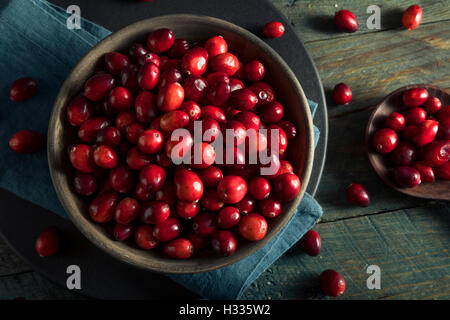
396 121
48 242
407 177
332 283
311 243
358 195
412 17
253 227
342 94
23 89
273 29
224 243
385 140
26 141
415 97
346 21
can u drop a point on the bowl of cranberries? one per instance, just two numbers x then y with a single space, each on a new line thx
408 141
181 144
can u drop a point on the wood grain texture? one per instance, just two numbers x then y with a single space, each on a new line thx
314 19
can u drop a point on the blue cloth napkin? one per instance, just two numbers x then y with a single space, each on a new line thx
35 42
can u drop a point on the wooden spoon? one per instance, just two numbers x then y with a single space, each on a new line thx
440 189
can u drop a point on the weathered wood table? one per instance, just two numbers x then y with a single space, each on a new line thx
407 238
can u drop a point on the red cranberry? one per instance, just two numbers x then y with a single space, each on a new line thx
170 97
195 62
426 172
179 49
195 88
102 208
412 17
213 112
187 210
437 153
48 242
176 149
432 105
414 116
443 172
109 136
160 40
150 141
115 62
406 176
188 186
171 64
136 159
22 89
143 236
179 249
218 93
249 119
167 230
192 109
126 211
228 217
122 232
270 208
149 58
81 157
288 128
415 97
152 177
254 71
342 94
232 189
311 243
385 140
89 129
444 130
216 45
105 157
124 119
236 84
169 76
137 50
253 227
128 77
210 176
148 76
205 224
243 99
26 141
286 187
206 155
211 201
199 241
274 131
224 243
264 92
155 212
444 114
273 29
272 112
332 283
346 21
404 154
245 206
145 106
173 120
259 188
358 195
122 179
166 194
426 132
85 183
98 86
79 110
238 130
396 121
225 62
210 129
133 132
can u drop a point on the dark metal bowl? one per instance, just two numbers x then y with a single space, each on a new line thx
194 28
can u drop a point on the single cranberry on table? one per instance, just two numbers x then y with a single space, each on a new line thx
188 186
412 17
85 184
187 210
179 248
286 187
152 176
122 232
216 45
102 208
443 172
426 172
144 238
385 140
358 195
404 154
160 40
346 21
270 208
27 141
274 29
127 211
437 153
406 177
415 97
396 121
48 242
205 224
332 283
342 93
22 89
311 243
253 227
154 212
224 243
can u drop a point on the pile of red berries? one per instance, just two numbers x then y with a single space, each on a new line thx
125 156
417 138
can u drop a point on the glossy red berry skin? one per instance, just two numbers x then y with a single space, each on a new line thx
215 113
412 17
137 50
136 159
188 186
232 189
150 141
122 179
245 206
126 211
432 105
272 112
192 109
273 29
216 45
48 242
346 21
426 132
173 120
145 106
332 283
85 184
179 249
243 99
228 217
169 76
444 114
342 94
153 177
259 188
115 62
122 232
102 208
443 172
98 86
148 76
311 243
269 208
195 62
415 115
254 71
210 176
143 236
26 141
160 40
206 153
105 157
81 157
239 132
187 210
437 153
385 140
170 97
205 224
79 110
166 194
406 177
167 230
288 128
404 154
415 97
253 227
210 201
358 195
225 62
195 88
179 49
128 77
22 89
396 121
155 212
224 243
249 119
124 119
426 172
286 187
